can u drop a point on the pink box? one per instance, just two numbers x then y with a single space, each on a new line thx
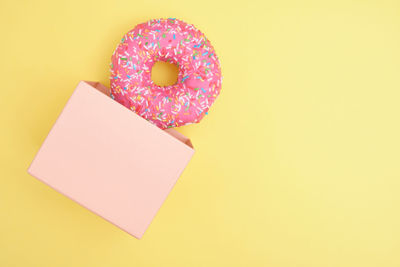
110 160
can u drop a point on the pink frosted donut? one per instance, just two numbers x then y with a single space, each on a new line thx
174 41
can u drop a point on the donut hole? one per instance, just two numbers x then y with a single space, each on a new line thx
164 73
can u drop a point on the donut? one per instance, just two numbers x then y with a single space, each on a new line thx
174 41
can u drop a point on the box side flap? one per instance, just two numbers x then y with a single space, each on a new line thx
179 136
100 87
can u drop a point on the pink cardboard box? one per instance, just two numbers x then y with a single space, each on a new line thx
110 160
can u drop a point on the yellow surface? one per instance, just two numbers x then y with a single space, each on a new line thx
164 73
298 163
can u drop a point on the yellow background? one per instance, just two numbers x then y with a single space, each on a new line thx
297 163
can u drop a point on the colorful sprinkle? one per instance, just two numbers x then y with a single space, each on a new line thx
184 78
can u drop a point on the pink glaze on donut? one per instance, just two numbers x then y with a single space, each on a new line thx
174 41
